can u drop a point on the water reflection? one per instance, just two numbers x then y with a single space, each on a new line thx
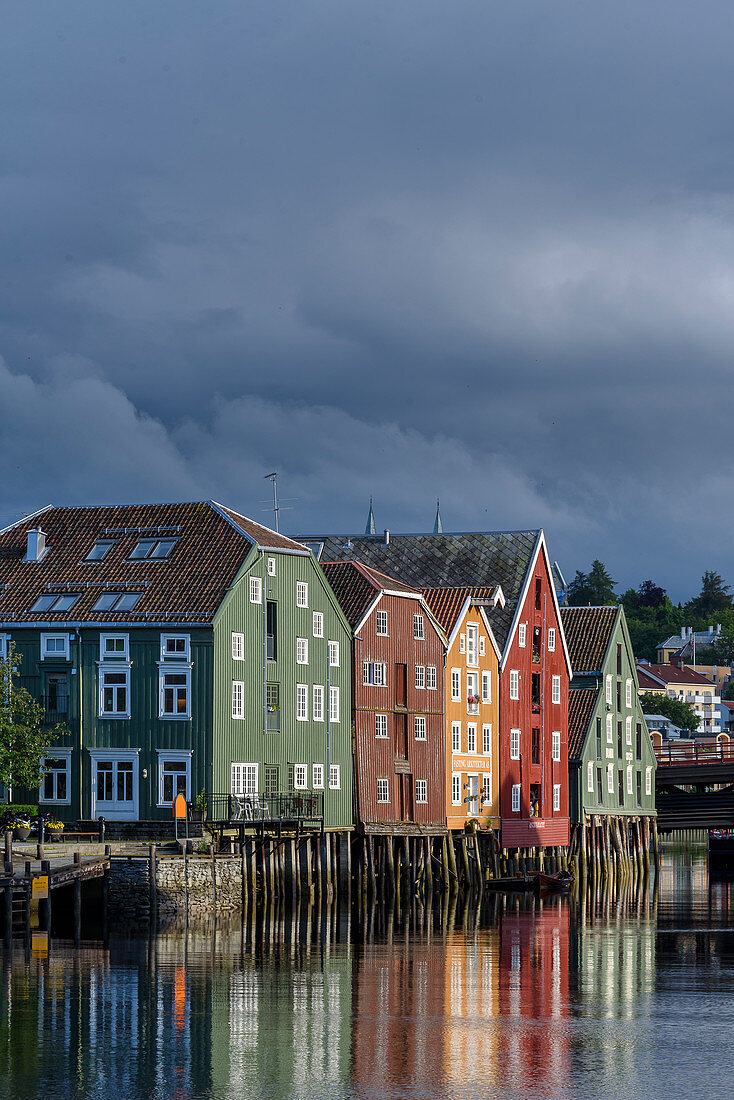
555 997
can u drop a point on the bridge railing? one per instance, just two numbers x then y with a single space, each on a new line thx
694 753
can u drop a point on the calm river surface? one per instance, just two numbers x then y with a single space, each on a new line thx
625 997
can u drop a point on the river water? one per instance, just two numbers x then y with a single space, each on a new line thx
616 996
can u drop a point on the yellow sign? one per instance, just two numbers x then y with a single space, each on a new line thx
39 888
39 945
179 806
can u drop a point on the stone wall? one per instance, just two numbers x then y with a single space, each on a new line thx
197 883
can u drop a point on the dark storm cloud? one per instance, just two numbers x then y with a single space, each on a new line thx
483 251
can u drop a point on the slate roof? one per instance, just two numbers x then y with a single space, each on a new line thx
479 558
581 703
355 587
588 633
189 585
671 674
446 603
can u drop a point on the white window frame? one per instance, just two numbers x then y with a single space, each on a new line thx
472 645
238 646
169 668
555 689
256 590
471 738
590 777
51 753
4 640
556 797
244 778
551 639
486 788
556 745
456 736
610 729
114 656
381 726
628 729
301 651
380 622
317 625
610 778
629 779
514 744
302 702
515 798
628 693
472 691
271 567
238 699
333 654
419 631
608 687
456 788
301 593
486 739
383 790
173 756
317 702
522 633
374 674
455 685
462 643
481 645
420 677
514 683
486 687
107 668
334 704
62 655
419 727
421 792
317 772
184 655
300 777
431 679
117 756
648 780
335 777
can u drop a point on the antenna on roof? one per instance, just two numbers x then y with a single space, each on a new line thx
370 529
438 526
274 478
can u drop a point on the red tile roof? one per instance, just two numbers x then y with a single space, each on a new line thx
356 586
588 632
581 703
671 674
188 585
446 603
265 538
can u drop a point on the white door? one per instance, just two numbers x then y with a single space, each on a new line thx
473 803
115 786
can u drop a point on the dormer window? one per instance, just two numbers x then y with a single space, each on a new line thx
116 601
153 549
55 602
99 549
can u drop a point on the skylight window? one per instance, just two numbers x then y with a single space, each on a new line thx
116 601
153 549
99 549
53 601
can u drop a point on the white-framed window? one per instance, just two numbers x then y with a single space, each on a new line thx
481 645
419 725
418 627
486 739
317 698
551 639
471 737
114 692
629 779
300 776
244 778
556 797
238 646
383 790
556 745
555 689
4 639
333 704
455 789
301 651
514 744
334 654
381 623
628 730
486 687
56 779
472 645
174 692
380 725
590 777
420 676
514 684
610 778
462 643
114 647
318 777
271 567
516 798
256 590
374 673
175 647
238 699
608 685
301 702
421 790
174 775
456 736
431 677
301 594
472 693
456 685
628 693
610 729
318 624
648 780
486 788
55 646
335 777
522 632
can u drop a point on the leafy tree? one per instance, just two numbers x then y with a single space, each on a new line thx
23 740
715 596
728 692
681 714
594 588
650 595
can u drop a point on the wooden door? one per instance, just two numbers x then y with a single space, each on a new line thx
401 685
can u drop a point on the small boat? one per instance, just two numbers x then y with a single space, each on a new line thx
559 880
516 882
721 844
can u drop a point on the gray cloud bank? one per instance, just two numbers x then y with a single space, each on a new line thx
478 251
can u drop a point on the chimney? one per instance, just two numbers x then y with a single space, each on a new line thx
387 537
718 628
36 545
711 629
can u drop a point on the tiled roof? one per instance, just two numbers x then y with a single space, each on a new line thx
588 632
355 587
471 559
446 603
263 536
581 703
671 674
189 584
647 683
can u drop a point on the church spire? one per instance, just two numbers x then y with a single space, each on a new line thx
438 526
370 529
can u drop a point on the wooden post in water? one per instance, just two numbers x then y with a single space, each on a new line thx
8 893
77 898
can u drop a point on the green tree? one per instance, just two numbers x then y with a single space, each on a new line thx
682 714
714 597
594 589
23 740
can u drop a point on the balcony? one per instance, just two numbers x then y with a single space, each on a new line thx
55 709
263 810
273 720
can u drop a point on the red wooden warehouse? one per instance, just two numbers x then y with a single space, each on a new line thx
398 700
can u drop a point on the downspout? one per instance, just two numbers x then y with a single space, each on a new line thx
543 792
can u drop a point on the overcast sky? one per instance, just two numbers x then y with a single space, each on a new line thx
475 250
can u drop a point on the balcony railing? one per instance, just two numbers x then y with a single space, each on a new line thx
295 806
273 721
694 753
55 709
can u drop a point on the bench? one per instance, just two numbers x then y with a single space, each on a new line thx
65 835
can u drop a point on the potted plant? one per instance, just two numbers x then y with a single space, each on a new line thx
54 829
21 827
198 813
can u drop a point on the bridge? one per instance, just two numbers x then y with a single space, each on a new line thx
694 785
